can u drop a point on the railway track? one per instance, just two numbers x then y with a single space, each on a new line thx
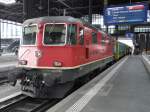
23 103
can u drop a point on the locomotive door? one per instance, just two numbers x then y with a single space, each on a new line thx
87 42
84 35
81 41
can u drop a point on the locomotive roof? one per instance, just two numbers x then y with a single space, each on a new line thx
58 19
54 19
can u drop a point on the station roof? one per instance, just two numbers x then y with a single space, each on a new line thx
37 8
13 12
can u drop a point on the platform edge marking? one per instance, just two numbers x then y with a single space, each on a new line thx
8 65
81 103
146 59
10 96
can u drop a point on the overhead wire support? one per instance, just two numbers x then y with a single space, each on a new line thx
48 7
66 5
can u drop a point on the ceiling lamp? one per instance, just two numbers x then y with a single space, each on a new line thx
7 1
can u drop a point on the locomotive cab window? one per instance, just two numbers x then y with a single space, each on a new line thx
94 38
81 36
72 34
29 35
55 34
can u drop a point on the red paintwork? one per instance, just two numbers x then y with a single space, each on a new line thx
69 55
136 7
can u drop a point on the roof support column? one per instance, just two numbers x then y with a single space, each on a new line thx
27 9
48 7
90 11
105 5
0 38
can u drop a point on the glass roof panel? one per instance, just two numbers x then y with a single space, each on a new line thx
7 1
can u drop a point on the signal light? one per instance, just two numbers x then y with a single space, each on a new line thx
57 64
22 62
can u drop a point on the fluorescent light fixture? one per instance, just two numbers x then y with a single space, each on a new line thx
7 1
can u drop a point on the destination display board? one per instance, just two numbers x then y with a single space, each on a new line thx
123 14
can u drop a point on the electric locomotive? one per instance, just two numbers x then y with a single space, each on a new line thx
56 51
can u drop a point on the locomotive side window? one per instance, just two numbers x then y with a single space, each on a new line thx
55 34
72 34
29 35
94 38
81 36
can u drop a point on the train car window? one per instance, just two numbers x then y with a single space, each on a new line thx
55 34
81 36
29 35
103 39
72 34
94 38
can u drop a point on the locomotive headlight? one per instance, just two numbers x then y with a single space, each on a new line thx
22 62
57 64
38 54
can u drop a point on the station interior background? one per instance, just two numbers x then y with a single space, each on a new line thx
11 31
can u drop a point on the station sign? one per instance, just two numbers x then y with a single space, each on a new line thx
126 14
129 35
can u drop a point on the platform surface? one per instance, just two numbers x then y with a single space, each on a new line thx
149 57
7 91
7 61
128 90
8 58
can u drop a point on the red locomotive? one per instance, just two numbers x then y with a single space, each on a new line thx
55 51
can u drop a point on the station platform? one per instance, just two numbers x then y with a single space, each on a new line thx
7 64
7 61
124 87
7 91
8 57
